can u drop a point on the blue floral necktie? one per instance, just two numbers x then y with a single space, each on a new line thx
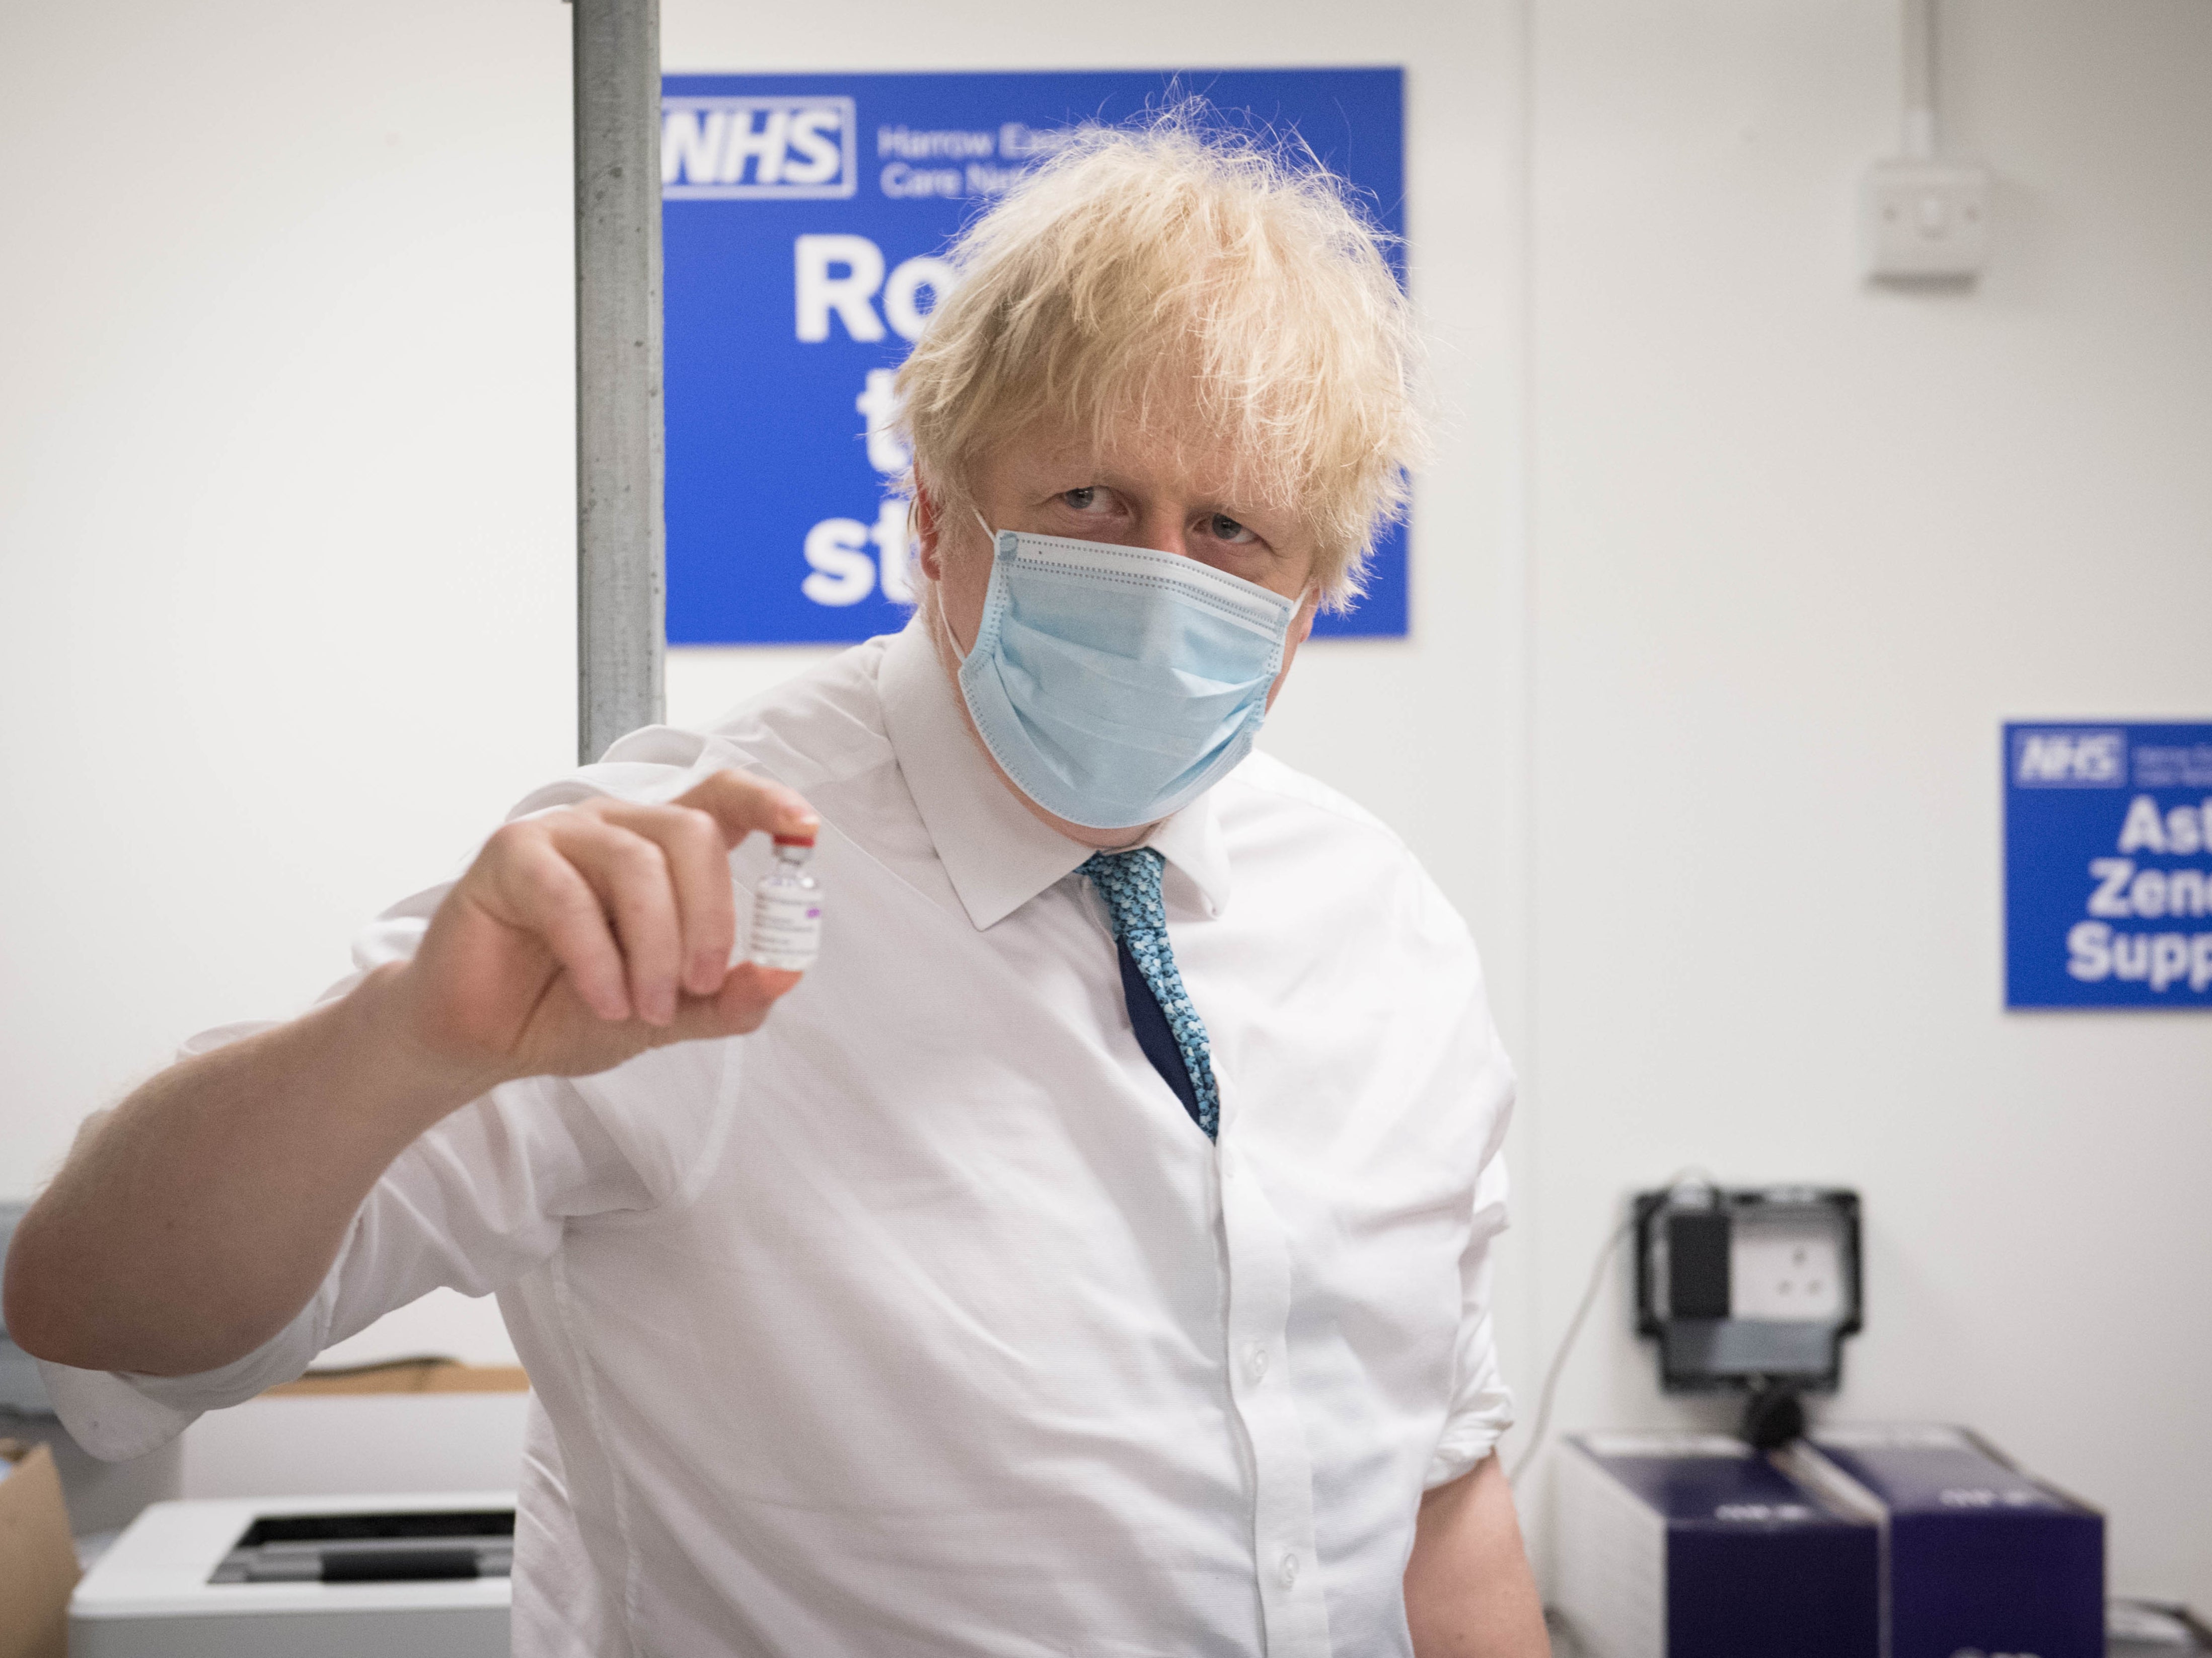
1167 1026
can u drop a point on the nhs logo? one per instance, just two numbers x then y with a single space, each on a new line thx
2069 758
720 150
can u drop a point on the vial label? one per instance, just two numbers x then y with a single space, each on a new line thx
786 930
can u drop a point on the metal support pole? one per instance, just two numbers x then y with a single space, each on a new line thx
621 537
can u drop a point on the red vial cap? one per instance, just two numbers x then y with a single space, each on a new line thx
794 840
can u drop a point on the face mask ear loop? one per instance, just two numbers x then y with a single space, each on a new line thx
937 591
941 627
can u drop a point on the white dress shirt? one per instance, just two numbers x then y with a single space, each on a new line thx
925 1320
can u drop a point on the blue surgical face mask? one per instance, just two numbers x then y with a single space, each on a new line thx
1116 684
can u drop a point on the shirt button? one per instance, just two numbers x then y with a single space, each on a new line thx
1288 1571
1256 1362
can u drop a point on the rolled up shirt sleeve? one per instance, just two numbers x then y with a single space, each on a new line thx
1481 1408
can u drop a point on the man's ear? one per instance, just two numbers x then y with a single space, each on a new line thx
927 553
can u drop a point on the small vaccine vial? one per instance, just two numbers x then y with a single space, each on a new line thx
788 910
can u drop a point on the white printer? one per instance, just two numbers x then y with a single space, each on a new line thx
303 1577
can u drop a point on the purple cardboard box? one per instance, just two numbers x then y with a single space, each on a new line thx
1693 1546
1978 1556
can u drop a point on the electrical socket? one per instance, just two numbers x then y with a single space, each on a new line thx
1788 1269
1925 220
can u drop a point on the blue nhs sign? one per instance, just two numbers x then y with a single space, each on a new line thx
2108 865
806 220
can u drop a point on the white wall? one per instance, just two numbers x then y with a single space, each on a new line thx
1800 547
1728 570
286 507
285 511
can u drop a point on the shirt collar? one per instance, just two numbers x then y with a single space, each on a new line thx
995 852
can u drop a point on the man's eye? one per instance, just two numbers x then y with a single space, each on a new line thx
1085 499
1222 527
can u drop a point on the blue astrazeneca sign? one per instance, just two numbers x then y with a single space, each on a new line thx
806 220
2108 866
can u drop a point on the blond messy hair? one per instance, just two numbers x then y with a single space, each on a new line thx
1173 281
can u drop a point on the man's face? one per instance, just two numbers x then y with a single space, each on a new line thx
1180 499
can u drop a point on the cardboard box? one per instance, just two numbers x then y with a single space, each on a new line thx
1693 1546
37 1561
408 1376
1977 1555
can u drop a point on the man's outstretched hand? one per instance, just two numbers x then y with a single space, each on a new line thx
583 936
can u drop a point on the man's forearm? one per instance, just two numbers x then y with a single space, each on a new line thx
1468 1590
192 1223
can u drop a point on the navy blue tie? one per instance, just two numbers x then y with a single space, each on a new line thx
1167 1027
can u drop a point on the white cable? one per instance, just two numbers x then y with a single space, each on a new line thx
1919 65
1566 1345
1681 1178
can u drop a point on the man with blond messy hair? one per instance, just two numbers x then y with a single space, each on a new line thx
1091 1254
